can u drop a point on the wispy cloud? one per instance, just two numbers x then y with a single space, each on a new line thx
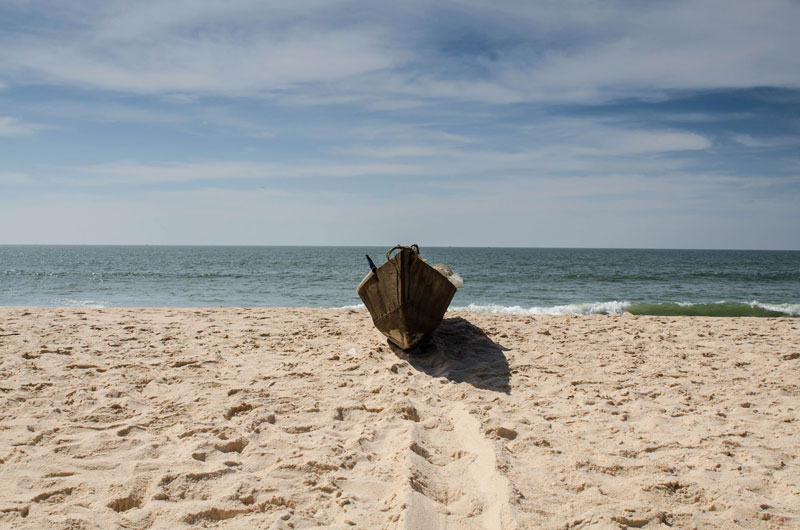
13 177
768 142
10 126
656 47
143 173
430 161
578 211
702 117
346 49
203 48
552 147
595 137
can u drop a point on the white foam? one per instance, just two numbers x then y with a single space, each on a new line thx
789 309
71 302
357 306
569 309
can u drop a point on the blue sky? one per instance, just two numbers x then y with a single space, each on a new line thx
565 124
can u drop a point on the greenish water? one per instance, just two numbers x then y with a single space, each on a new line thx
500 280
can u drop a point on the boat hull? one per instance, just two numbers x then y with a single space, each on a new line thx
406 297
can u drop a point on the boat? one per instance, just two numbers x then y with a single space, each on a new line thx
406 297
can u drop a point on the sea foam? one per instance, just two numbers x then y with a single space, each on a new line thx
568 309
719 309
789 309
71 302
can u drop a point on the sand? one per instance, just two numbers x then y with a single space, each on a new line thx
306 418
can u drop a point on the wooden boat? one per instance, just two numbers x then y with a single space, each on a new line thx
406 297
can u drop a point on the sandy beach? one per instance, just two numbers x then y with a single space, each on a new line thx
306 418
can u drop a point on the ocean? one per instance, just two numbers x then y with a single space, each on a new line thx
496 280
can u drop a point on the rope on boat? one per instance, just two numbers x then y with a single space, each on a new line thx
413 248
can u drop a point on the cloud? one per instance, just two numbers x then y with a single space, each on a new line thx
390 153
13 177
612 137
11 127
633 50
210 65
173 172
771 142
639 142
206 48
576 211
346 51
617 50
550 147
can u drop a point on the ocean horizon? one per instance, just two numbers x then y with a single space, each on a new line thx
516 280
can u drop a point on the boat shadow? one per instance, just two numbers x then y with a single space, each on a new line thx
462 352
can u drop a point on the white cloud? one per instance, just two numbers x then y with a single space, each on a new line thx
550 147
210 66
578 211
203 48
206 120
616 50
10 126
14 177
405 133
664 46
322 52
702 117
639 142
771 142
548 138
126 173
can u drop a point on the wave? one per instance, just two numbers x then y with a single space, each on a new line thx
569 309
71 302
717 309
357 306
712 309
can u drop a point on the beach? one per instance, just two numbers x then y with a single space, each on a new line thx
307 418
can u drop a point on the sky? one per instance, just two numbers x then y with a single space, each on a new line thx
623 124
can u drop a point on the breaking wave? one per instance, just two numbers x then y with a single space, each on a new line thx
71 302
569 309
713 309
357 306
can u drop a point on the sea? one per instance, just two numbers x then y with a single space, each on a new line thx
532 281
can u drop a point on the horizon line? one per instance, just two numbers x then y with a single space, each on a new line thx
210 245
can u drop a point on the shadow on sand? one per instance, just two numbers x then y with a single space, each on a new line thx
461 352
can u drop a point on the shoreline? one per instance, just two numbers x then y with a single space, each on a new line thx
299 417
721 309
